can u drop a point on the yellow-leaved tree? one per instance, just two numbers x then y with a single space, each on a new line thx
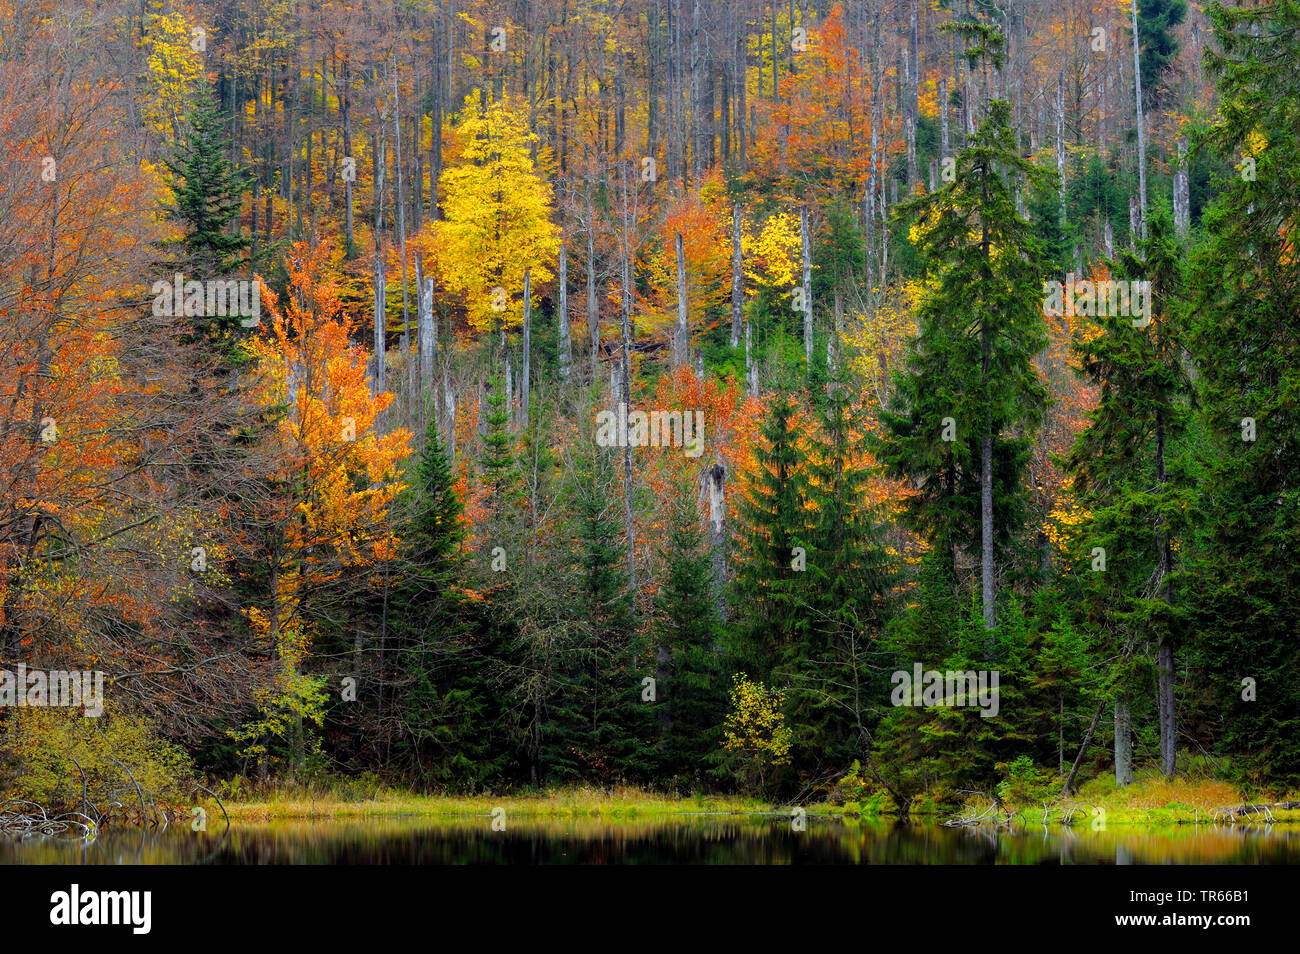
497 215
755 729
175 70
333 476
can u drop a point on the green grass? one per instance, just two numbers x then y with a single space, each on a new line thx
622 803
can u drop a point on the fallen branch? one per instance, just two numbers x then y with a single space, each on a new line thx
1232 813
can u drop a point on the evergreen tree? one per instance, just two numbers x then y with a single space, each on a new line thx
835 669
772 554
498 462
963 418
1247 308
692 689
445 657
1126 463
206 192
1158 43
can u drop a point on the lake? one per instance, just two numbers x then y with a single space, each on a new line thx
754 839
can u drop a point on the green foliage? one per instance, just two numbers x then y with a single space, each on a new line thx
206 199
767 581
969 371
40 746
1246 304
690 683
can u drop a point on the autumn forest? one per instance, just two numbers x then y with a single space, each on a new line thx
869 402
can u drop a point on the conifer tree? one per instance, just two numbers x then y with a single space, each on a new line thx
693 697
772 557
1247 308
444 659
968 403
206 192
1126 462
835 671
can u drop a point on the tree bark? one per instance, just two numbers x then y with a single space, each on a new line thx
566 344
737 277
1141 130
805 243
524 383
681 349
1123 745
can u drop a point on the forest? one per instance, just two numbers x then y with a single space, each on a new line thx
870 401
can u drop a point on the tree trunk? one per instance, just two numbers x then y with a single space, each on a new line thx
716 477
1123 745
428 335
566 345
1141 130
528 347
1165 665
737 277
1182 193
1060 144
806 247
593 307
401 236
381 346
681 350
346 109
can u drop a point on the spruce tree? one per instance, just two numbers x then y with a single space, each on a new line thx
1247 324
1127 464
967 405
692 690
445 656
772 552
835 670
206 190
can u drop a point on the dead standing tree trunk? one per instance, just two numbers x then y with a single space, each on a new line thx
715 479
566 344
737 277
681 343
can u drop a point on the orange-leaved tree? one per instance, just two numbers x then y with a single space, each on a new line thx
334 475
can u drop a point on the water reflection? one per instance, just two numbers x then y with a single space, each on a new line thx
699 839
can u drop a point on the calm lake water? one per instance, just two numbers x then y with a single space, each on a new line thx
686 839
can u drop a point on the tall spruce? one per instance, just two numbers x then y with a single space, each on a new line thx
691 684
969 401
1127 462
448 705
836 670
772 555
206 198
1247 307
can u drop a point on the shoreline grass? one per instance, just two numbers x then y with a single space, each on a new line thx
1151 800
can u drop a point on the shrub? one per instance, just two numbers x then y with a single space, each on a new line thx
40 746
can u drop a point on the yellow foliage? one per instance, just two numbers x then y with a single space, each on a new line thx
772 255
175 71
755 725
498 215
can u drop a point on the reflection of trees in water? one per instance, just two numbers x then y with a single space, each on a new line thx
750 839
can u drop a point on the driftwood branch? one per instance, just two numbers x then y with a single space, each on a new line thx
138 792
1232 813
200 788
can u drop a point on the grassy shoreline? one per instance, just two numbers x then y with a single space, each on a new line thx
1150 801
